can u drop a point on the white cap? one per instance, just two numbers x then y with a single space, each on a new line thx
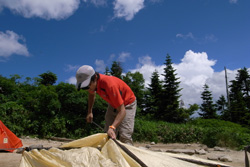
83 76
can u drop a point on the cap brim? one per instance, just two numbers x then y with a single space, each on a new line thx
83 84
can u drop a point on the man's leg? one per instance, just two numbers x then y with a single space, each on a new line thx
109 117
126 128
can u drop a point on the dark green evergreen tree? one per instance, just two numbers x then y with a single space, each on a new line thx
107 72
170 94
116 69
208 108
154 95
221 106
243 78
239 98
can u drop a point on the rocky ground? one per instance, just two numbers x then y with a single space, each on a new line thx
232 157
226 156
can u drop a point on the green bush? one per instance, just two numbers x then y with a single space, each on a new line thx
223 133
145 131
209 132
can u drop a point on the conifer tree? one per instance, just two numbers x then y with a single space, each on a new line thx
116 69
170 94
239 98
107 72
208 110
221 106
154 98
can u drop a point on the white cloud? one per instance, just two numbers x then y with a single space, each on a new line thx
71 80
146 67
123 56
233 1
97 3
100 65
12 43
194 71
189 35
111 58
62 9
71 68
206 38
46 9
210 37
127 8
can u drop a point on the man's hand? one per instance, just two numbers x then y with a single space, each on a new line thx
111 133
89 118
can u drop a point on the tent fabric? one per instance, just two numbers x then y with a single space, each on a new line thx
98 151
8 140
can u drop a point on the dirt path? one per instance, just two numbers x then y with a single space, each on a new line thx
13 159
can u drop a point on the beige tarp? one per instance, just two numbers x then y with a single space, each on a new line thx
85 153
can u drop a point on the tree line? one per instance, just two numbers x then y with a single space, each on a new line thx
237 106
36 106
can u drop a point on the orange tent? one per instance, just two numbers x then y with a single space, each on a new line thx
8 140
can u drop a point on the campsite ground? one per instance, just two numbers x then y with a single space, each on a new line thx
13 159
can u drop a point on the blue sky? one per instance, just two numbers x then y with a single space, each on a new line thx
201 36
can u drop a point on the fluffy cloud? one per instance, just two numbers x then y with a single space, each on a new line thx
206 38
97 2
70 68
194 71
127 8
189 35
100 65
12 43
71 80
123 56
46 9
62 9
146 67
233 1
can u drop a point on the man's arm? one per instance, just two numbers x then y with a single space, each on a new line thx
118 119
91 101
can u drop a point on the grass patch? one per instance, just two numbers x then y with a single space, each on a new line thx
209 132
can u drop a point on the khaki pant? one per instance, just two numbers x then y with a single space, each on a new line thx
126 128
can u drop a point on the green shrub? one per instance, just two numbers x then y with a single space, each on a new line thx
145 131
209 132
181 133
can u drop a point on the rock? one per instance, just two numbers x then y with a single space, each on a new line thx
152 143
225 158
212 157
184 151
219 149
148 146
158 150
36 147
200 151
19 150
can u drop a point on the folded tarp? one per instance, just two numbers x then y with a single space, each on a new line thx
98 151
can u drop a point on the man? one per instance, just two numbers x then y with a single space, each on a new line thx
121 101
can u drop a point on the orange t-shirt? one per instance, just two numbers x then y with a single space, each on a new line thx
115 91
